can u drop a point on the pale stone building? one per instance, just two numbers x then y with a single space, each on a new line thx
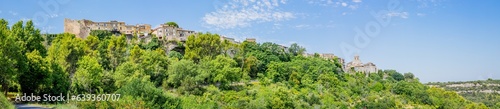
251 40
82 28
222 38
357 66
171 33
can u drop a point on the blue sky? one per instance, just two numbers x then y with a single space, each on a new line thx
437 40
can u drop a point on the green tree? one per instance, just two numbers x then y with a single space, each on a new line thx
152 45
101 34
40 69
397 76
172 24
250 66
476 106
223 71
446 99
203 45
273 49
49 38
4 103
102 53
153 97
175 54
34 40
186 76
8 70
65 52
58 82
92 42
296 50
135 54
12 58
116 51
128 71
155 64
409 76
382 103
88 76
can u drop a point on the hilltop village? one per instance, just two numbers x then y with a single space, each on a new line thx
171 67
168 32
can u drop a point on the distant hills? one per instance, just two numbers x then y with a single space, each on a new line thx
484 91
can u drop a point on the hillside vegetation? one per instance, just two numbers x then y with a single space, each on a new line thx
209 73
483 91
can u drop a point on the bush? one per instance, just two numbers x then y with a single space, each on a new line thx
126 102
153 97
398 76
4 103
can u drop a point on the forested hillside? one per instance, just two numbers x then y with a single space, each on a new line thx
483 91
208 73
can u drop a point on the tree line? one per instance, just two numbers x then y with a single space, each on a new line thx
208 73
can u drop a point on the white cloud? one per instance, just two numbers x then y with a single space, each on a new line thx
403 15
351 4
301 26
344 4
243 13
356 1
329 2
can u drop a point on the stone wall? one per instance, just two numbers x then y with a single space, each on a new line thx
82 28
76 27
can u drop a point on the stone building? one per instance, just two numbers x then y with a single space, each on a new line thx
251 40
169 33
357 66
229 39
82 28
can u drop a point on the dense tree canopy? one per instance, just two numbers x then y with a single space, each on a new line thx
203 45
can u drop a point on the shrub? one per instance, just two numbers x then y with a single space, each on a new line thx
4 103
145 90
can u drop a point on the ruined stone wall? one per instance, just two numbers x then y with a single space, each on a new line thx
77 27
